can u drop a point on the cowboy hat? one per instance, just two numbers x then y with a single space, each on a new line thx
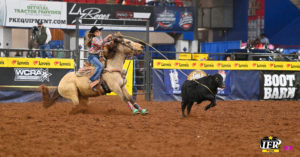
94 29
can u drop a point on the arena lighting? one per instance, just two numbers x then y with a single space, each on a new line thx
202 29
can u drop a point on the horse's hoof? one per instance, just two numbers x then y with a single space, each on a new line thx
143 111
135 111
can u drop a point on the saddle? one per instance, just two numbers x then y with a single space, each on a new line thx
88 70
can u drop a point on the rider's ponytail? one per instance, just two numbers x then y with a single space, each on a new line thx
89 37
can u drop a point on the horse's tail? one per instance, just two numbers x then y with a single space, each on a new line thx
48 100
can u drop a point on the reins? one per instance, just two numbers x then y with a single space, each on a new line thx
168 59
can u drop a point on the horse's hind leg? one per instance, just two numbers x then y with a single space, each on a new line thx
70 92
82 107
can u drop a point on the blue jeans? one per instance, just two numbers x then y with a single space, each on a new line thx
46 52
94 59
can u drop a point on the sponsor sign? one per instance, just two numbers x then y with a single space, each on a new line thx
2 12
277 85
173 18
185 56
191 56
29 73
256 17
92 14
3 62
37 63
226 65
173 80
30 78
20 13
199 56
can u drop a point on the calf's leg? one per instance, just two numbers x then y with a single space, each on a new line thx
183 106
189 107
212 104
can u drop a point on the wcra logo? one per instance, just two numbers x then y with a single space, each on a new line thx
31 74
270 144
278 85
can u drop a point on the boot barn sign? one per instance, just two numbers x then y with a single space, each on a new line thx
278 85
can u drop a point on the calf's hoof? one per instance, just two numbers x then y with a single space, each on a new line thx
207 107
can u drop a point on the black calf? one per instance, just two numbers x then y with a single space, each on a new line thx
199 90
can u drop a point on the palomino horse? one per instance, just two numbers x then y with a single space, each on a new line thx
77 89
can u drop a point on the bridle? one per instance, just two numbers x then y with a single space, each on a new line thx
121 72
127 45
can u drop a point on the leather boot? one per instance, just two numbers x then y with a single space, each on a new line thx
93 84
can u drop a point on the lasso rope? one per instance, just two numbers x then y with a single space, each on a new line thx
168 59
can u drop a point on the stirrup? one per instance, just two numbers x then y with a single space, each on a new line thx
105 86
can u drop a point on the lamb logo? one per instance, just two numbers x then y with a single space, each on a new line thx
278 86
25 74
196 74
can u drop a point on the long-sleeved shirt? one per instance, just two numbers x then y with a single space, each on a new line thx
96 45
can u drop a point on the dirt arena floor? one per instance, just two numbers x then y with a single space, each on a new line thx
108 129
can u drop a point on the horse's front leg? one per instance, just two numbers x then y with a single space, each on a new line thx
117 89
129 97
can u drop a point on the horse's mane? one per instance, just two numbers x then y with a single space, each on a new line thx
111 48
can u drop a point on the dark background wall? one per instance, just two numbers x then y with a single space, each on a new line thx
240 24
282 23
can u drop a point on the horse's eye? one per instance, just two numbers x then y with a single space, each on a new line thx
128 42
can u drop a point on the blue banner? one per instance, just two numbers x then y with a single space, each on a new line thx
173 19
173 79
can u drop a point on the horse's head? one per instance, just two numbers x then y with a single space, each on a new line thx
119 43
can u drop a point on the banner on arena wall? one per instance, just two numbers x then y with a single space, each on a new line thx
22 78
278 85
256 17
20 13
173 79
191 56
226 65
92 14
2 12
173 19
30 73
37 63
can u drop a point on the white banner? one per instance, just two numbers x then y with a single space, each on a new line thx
22 13
2 12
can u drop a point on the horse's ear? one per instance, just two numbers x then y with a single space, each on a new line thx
118 37
119 34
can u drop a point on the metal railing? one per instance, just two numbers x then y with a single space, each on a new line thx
33 53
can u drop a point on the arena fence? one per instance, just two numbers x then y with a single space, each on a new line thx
144 67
